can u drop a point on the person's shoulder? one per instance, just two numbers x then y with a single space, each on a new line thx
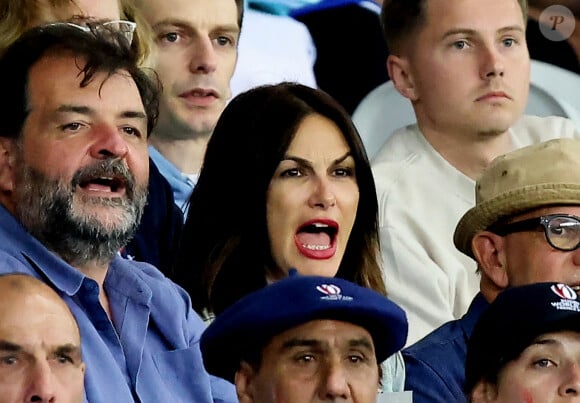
152 277
531 129
406 166
398 158
9 263
448 339
402 145
169 301
435 365
443 339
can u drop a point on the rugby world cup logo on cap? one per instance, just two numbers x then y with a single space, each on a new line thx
332 292
564 291
567 298
328 289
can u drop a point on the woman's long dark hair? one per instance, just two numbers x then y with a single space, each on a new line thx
225 251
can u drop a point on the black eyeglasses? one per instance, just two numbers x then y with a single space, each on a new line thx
562 231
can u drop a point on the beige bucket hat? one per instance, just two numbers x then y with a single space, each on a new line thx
542 174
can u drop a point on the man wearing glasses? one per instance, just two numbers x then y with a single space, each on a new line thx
524 228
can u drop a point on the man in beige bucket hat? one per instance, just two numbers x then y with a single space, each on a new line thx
524 228
545 174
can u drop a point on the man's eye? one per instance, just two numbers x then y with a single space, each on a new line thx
224 40
170 37
64 359
356 359
306 358
8 360
132 131
460 44
557 230
74 126
509 42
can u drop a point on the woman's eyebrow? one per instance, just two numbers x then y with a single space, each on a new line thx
305 162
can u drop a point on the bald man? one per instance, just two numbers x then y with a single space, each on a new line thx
40 346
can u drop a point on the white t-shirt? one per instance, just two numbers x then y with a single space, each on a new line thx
421 198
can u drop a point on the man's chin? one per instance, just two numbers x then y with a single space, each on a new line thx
496 124
107 229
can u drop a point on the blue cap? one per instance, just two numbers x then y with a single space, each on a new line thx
513 321
246 327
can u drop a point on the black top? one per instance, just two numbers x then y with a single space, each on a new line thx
560 53
351 51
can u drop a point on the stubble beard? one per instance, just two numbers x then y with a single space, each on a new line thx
173 126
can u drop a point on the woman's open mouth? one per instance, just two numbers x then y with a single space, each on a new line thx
316 239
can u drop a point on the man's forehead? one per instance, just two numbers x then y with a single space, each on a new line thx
453 14
69 66
118 89
323 333
544 210
28 328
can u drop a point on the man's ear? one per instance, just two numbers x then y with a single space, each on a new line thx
400 74
7 164
488 249
244 381
483 392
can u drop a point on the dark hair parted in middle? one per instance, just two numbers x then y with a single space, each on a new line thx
225 251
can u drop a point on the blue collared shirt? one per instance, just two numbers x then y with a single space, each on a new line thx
149 352
181 185
435 365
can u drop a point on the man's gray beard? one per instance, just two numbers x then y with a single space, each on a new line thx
45 208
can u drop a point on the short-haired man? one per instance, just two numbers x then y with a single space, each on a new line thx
303 339
73 183
40 344
524 228
195 56
526 347
465 67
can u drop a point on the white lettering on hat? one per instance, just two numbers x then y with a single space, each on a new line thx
564 291
567 305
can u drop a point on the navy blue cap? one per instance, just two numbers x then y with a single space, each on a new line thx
513 321
246 327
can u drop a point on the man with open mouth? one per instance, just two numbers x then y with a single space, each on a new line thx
73 185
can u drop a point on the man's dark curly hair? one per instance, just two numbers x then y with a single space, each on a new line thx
97 50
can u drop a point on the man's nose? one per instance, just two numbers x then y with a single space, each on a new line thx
334 384
42 384
108 143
